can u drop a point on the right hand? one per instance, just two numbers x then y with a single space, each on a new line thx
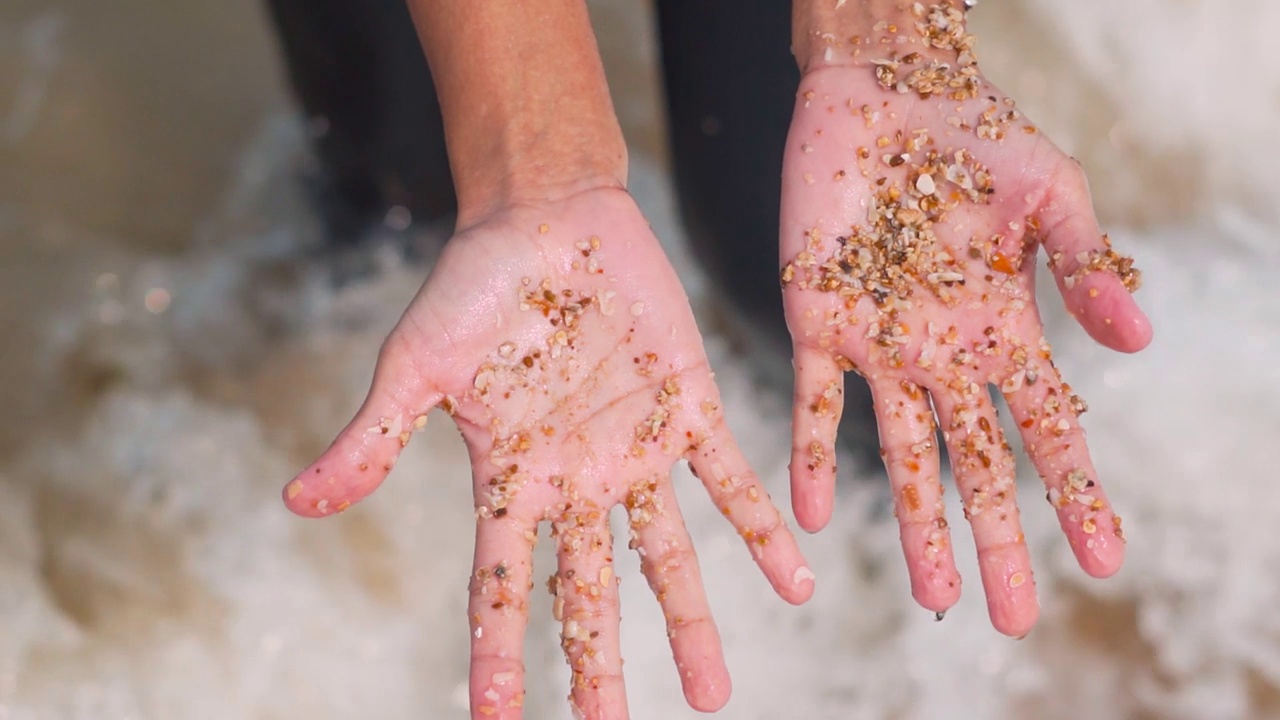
559 338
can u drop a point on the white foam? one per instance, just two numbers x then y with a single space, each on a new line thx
149 571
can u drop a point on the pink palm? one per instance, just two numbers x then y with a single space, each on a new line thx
911 220
561 342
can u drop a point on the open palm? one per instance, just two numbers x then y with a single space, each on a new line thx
562 344
915 199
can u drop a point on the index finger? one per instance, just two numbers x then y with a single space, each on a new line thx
1047 414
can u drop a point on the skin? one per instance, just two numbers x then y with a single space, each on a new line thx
563 431
556 334
1040 199
525 103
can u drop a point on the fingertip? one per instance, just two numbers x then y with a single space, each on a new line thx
709 689
812 522
811 506
1108 312
290 494
779 556
1017 626
1100 557
699 658
803 585
1101 572
1010 587
315 493
1136 334
939 597
714 702
357 462
307 500
1014 614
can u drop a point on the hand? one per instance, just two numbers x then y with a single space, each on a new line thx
915 196
561 342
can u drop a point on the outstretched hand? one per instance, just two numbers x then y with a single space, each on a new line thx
915 199
561 342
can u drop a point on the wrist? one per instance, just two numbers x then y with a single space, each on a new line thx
526 107
515 166
855 33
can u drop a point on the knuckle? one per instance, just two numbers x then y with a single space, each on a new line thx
666 558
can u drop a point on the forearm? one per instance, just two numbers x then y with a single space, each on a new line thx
526 108
845 32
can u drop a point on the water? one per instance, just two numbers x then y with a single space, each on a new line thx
171 361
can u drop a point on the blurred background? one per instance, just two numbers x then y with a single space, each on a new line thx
174 348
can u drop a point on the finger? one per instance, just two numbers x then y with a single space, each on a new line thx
1096 283
816 407
498 609
984 470
1047 414
362 455
586 602
670 564
909 446
734 488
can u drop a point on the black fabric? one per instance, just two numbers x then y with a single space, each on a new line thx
730 86
358 71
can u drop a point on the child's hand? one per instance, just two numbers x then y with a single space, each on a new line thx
562 343
915 198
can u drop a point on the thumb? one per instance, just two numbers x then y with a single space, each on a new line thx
362 455
1096 282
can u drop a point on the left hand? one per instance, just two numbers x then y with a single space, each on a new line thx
915 197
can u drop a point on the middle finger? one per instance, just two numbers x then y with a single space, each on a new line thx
909 447
983 466
586 603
